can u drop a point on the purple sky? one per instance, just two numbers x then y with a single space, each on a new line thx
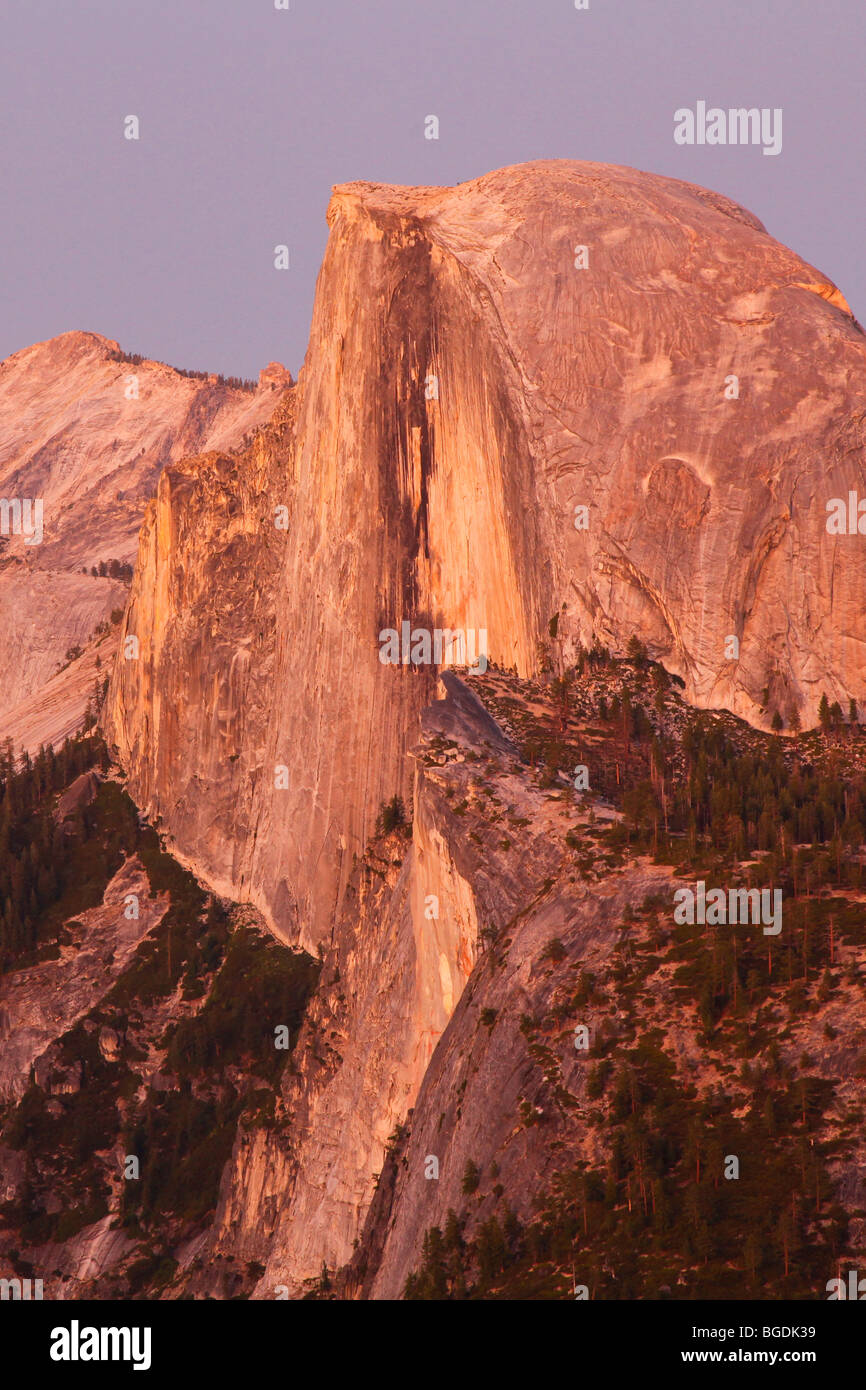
249 115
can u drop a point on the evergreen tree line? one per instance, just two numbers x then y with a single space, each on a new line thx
659 1217
35 851
135 359
110 569
740 803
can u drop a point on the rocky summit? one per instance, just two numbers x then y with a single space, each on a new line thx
85 431
441 672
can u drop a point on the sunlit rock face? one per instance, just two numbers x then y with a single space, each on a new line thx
295 1195
642 348
484 363
194 681
84 435
560 391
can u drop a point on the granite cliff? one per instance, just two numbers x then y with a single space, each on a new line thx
467 390
85 430
588 413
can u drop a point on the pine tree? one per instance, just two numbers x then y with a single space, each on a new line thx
824 713
471 1178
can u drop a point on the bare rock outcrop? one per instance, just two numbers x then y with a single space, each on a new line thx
84 433
40 1002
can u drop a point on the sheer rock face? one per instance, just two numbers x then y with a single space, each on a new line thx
466 388
296 1195
74 433
189 707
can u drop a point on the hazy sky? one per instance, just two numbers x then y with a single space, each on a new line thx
248 115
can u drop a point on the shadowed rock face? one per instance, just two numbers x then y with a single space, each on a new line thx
466 388
39 1003
74 434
